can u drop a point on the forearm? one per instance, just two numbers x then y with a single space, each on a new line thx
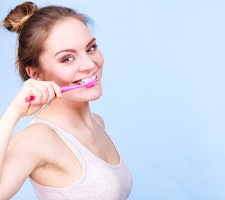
7 123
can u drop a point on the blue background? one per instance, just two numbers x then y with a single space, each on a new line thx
164 85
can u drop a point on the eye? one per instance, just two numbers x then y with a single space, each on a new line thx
68 58
92 48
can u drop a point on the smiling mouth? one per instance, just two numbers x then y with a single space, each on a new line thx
86 80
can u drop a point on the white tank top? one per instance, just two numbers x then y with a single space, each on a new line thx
99 180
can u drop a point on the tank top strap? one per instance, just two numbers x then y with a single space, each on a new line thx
98 122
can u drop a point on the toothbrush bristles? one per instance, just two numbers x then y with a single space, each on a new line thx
91 83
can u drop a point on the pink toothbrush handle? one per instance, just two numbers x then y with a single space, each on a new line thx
68 88
87 85
29 99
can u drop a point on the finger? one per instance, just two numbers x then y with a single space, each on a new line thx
57 89
49 89
37 93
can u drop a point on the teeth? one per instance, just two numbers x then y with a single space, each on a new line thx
86 80
80 82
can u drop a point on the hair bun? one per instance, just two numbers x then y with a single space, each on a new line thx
16 19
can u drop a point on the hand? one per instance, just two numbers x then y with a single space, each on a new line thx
43 91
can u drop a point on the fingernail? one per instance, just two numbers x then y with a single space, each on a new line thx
60 95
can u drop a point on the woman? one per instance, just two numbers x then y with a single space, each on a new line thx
65 150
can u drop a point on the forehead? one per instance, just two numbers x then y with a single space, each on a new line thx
68 33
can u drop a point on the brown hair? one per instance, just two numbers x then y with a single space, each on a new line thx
33 26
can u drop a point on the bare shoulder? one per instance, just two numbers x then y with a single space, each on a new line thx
28 150
34 139
35 132
100 119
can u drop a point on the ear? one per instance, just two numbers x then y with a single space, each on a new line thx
33 72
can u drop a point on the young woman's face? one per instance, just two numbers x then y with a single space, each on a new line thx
71 55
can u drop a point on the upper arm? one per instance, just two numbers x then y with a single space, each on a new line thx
21 159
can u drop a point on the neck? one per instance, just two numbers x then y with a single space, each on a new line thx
67 113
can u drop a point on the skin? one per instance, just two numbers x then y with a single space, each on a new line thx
70 54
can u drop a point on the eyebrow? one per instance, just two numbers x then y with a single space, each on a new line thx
73 50
89 43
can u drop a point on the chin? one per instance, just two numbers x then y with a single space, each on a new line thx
96 95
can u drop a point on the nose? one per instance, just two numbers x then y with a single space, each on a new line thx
86 63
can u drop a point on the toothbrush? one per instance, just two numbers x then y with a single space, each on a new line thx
88 84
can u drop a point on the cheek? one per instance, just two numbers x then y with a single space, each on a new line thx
56 74
65 77
59 76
